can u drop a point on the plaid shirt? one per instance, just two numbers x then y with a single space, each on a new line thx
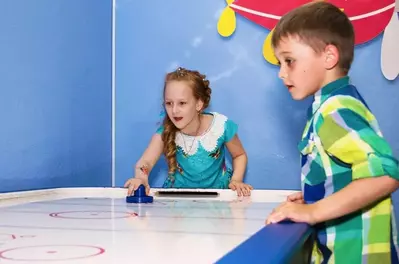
341 143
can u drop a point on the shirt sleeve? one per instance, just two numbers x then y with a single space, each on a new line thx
348 136
160 130
230 130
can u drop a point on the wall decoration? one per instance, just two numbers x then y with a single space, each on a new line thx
369 18
390 48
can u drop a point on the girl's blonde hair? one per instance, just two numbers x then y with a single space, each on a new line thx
201 91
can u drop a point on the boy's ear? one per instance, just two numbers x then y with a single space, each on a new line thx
331 55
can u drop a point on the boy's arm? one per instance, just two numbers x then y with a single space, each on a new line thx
357 195
349 137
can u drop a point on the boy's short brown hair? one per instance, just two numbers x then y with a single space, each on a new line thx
318 24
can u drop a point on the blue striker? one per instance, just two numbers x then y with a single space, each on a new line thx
139 196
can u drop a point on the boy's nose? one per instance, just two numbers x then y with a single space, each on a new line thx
282 74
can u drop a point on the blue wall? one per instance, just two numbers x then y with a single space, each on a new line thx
155 37
55 103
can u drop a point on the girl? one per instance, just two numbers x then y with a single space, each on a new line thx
193 141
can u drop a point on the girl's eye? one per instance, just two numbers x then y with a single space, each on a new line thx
168 103
182 103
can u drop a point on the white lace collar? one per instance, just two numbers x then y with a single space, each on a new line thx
208 140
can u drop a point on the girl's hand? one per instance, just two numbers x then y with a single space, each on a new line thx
242 189
133 184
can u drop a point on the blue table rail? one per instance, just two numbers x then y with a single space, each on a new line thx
285 242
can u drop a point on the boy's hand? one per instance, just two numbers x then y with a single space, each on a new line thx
296 198
133 184
294 211
242 189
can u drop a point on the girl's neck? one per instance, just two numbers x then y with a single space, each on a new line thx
194 127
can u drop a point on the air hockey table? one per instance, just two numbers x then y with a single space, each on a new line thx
97 225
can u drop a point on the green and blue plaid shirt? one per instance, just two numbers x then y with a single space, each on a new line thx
342 143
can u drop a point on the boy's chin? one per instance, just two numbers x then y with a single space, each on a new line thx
298 97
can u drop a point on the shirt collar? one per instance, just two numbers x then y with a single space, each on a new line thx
325 92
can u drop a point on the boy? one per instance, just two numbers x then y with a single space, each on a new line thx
348 171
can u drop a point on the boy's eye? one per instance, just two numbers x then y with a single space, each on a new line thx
168 103
288 61
182 103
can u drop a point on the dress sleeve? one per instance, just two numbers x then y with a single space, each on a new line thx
160 130
357 141
230 130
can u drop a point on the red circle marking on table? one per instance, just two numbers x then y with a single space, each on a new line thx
62 215
3 254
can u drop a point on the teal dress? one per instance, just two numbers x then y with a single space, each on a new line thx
201 161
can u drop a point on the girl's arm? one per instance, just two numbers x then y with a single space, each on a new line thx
150 157
239 157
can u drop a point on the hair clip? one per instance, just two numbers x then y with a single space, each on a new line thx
179 71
